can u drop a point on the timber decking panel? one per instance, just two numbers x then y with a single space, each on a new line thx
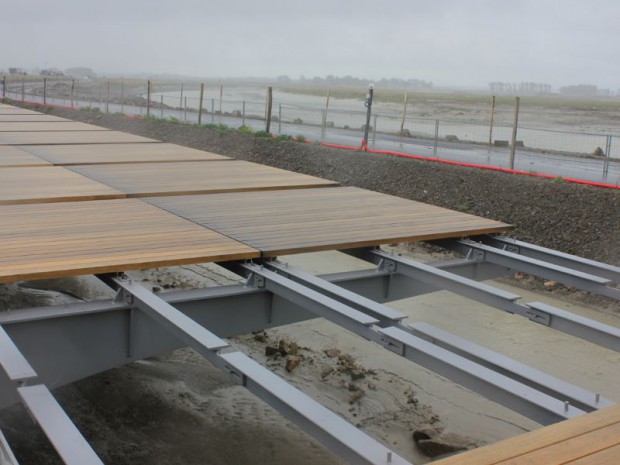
44 126
280 223
14 157
161 179
69 137
49 184
74 238
95 154
30 118
9 110
592 439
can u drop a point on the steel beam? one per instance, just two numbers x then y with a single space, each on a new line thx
517 396
330 429
60 430
590 330
579 279
553 256
309 299
13 362
339 435
499 388
437 279
384 315
6 454
550 385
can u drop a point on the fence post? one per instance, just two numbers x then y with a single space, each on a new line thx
185 110
323 122
212 111
329 91
161 106
243 113
107 98
269 103
607 156
202 94
436 137
221 96
513 143
181 98
44 90
374 130
3 87
72 91
123 97
279 118
491 123
402 120
148 98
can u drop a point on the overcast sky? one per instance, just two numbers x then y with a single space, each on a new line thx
449 42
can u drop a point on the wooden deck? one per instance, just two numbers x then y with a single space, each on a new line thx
74 238
49 184
280 223
101 154
11 156
592 439
68 137
158 179
30 118
21 126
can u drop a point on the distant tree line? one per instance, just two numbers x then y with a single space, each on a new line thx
350 81
521 87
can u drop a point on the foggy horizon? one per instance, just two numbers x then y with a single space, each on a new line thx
450 43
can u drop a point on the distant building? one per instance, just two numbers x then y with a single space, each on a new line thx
80 73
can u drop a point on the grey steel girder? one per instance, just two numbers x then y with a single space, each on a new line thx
579 279
339 435
590 330
517 396
552 256
6 454
536 379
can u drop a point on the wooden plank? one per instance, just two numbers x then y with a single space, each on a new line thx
73 238
21 126
49 184
9 110
280 223
610 456
69 137
96 154
519 446
15 157
29 117
157 179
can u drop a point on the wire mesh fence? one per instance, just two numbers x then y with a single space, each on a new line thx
334 124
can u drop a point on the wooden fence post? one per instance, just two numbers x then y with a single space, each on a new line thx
513 143
491 123
269 103
202 94
148 98
402 120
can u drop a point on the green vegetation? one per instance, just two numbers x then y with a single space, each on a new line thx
300 138
245 130
262 134
559 180
282 137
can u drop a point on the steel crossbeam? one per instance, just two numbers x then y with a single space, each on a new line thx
13 362
521 398
553 256
6 454
336 433
60 430
561 390
384 315
579 279
585 328
332 430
